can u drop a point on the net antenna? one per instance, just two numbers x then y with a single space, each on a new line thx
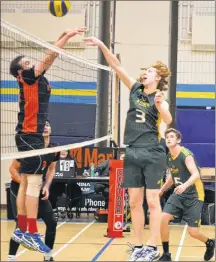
73 80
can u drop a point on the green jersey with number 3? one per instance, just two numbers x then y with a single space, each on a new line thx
143 118
181 174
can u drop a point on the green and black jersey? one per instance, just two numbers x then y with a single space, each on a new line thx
143 118
181 174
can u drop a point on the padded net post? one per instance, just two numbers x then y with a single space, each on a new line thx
116 199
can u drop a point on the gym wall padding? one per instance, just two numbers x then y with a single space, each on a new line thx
198 130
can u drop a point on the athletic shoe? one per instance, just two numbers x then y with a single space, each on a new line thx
150 254
11 258
210 249
50 259
165 257
17 235
136 254
34 241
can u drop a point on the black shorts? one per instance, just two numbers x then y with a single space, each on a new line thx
44 207
26 142
188 209
144 167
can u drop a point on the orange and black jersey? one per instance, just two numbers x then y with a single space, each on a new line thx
34 94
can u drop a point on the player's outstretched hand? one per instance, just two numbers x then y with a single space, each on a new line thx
45 192
75 31
180 189
92 41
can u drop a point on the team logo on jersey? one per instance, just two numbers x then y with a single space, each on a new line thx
142 103
174 170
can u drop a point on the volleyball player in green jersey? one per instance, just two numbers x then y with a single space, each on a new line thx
145 158
187 200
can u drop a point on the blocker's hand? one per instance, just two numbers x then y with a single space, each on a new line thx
75 31
92 41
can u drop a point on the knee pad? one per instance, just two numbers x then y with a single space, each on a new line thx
34 185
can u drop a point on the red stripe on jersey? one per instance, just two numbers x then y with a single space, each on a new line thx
31 107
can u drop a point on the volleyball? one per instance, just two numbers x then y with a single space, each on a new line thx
59 8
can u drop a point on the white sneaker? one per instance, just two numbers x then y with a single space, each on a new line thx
11 258
150 254
136 254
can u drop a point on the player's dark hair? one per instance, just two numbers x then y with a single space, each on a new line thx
173 130
15 66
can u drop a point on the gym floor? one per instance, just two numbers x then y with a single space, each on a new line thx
83 240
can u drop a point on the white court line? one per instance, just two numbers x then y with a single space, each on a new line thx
24 250
201 258
181 243
72 239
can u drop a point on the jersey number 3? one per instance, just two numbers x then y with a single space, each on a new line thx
140 116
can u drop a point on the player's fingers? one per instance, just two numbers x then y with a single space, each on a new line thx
88 39
90 44
158 95
82 29
46 193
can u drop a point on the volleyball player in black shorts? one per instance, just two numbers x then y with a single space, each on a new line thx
45 210
187 200
34 94
145 158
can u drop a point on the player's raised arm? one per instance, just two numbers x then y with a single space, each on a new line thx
111 59
51 55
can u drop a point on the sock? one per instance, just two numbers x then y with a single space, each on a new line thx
138 246
13 247
32 225
165 247
22 222
153 247
11 258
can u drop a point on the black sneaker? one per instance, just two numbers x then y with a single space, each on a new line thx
50 259
210 248
165 257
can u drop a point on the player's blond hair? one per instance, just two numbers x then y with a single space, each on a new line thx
163 71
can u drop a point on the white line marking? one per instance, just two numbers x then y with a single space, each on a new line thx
72 239
24 250
181 243
201 258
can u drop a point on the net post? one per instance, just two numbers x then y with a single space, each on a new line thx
116 110
173 58
116 199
